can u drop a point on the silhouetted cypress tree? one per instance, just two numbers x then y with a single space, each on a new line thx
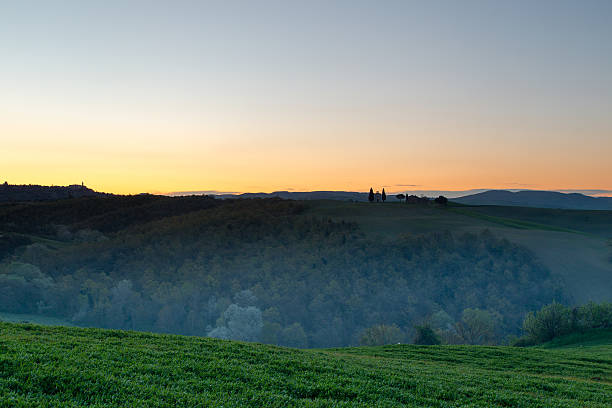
371 195
384 196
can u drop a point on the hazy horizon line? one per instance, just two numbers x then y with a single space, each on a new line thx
390 189
453 193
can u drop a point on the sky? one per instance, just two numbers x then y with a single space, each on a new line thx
166 96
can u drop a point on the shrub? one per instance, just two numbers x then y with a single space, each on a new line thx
556 320
240 323
594 316
294 336
425 335
441 200
380 335
478 326
523 342
549 322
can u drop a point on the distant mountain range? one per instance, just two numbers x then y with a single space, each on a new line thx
304 195
326 195
541 199
31 192
527 198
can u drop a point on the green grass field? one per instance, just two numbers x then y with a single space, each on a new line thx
593 340
71 367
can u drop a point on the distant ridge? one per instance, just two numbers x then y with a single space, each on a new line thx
526 198
541 199
305 195
326 194
32 192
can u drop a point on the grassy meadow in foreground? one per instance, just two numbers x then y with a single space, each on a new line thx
71 367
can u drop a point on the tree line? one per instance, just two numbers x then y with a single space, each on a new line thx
482 327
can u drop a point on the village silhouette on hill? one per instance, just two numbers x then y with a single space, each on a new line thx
33 192
379 197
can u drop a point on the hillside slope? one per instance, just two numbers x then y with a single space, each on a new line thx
305 273
264 269
573 244
69 367
542 199
599 340
17 193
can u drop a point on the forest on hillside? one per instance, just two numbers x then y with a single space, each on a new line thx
256 270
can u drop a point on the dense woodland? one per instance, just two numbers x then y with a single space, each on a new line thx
257 270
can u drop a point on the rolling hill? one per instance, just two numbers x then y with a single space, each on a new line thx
69 367
316 272
541 199
576 245
30 192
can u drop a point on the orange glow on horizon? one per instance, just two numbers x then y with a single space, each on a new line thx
413 96
116 158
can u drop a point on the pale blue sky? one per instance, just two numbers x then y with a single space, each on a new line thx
518 90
